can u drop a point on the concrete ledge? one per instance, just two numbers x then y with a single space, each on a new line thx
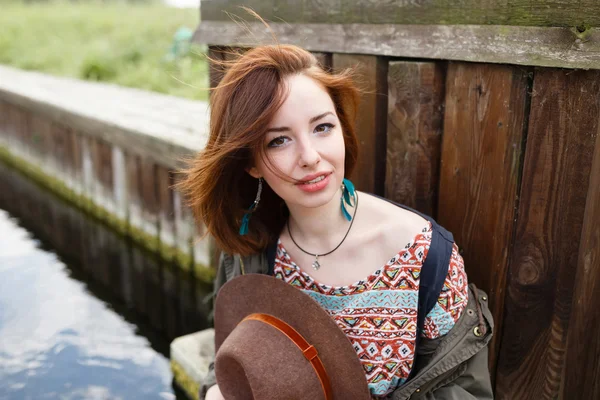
190 356
112 151
158 126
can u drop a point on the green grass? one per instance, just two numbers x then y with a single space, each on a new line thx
113 42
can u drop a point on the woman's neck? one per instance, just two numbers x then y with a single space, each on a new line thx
318 229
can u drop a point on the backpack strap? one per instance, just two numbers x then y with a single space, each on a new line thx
270 253
433 272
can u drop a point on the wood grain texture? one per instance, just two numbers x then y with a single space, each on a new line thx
414 133
22 119
582 366
484 124
325 60
62 145
150 198
76 157
371 75
5 121
215 70
563 123
451 12
219 57
165 192
39 137
134 184
103 165
550 47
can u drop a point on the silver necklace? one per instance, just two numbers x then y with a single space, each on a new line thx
316 265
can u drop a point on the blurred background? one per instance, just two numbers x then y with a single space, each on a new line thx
134 43
86 313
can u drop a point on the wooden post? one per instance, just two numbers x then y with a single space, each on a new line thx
215 70
484 125
582 370
369 173
564 117
414 133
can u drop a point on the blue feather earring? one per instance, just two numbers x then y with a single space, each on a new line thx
348 197
248 214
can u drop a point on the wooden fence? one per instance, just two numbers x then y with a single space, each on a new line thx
493 130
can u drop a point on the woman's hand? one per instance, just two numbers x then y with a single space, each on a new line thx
213 393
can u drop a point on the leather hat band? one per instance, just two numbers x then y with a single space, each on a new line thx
308 350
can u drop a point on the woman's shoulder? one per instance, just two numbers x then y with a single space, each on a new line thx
389 217
385 228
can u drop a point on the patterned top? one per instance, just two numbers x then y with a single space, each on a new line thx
379 313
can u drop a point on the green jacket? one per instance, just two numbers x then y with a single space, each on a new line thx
451 367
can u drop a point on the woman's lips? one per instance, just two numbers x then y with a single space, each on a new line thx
317 186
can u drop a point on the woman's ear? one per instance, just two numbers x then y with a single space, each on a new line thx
253 172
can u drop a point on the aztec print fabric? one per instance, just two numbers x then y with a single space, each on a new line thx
379 314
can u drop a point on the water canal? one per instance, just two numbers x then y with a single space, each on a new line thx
84 314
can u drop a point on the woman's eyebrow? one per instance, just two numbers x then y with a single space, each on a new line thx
312 120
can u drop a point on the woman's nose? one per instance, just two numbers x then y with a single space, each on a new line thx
309 155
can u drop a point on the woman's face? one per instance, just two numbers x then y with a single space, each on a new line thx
304 141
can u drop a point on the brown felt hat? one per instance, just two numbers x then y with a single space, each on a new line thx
274 342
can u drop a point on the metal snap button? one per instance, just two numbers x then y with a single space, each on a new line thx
477 331
484 298
418 390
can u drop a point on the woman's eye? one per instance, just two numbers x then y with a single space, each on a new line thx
324 128
278 141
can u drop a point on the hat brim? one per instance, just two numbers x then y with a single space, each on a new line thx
257 293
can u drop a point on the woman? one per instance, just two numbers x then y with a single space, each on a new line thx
273 176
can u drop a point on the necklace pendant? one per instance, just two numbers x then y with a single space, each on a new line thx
316 264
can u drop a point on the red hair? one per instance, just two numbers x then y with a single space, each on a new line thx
217 186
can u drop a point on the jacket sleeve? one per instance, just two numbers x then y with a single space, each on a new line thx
472 383
223 271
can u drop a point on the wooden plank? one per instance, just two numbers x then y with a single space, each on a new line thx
369 173
149 188
484 124
102 159
38 128
17 125
564 116
134 188
23 124
164 182
8 120
63 151
224 10
215 70
106 163
549 47
69 148
166 205
325 60
225 54
414 133
4 117
450 12
76 139
220 58
582 377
